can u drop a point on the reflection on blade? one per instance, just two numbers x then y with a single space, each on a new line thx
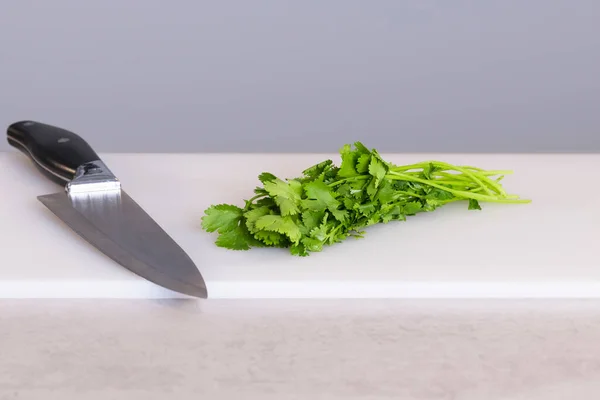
121 229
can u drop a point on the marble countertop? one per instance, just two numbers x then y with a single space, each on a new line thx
299 349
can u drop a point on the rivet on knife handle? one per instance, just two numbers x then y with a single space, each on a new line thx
62 156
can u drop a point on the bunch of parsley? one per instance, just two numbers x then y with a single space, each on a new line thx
328 204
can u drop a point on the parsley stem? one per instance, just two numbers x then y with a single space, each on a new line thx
490 182
409 194
351 179
249 202
258 196
462 193
456 182
498 172
425 164
466 172
478 175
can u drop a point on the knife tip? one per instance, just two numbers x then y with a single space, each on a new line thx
198 291
194 288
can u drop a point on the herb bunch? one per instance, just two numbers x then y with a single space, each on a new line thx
328 204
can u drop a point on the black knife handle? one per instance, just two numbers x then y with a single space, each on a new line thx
56 151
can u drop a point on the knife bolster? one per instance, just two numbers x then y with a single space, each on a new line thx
93 176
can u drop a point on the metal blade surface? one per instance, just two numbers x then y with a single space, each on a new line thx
116 225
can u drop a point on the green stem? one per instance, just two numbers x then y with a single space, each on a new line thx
453 183
249 202
351 179
409 194
423 164
498 172
466 194
468 173
478 175
459 180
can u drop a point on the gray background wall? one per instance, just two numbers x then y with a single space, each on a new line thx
309 75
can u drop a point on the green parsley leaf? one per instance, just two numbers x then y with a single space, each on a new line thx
317 171
221 218
237 239
392 212
298 249
361 148
283 225
439 194
349 159
474 205
287 195
271 238
253 215
312 244
266 177
362 165
386 193
320 198
312 219
412 208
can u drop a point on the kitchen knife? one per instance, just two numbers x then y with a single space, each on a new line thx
94 205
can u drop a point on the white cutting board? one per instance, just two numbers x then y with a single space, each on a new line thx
548 248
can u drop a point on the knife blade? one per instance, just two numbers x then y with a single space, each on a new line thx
95 206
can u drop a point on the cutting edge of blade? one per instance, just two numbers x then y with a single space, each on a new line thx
93 236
